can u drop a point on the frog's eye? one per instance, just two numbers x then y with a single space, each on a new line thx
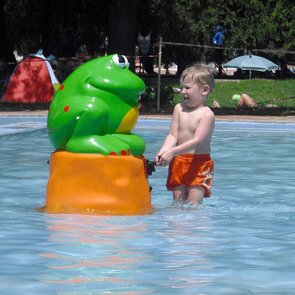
121 61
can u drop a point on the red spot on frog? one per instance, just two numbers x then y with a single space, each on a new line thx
125 153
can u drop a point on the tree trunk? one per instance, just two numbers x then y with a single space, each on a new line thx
122 28
5 48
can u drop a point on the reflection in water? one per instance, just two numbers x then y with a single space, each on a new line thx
129 254
187 234
92 249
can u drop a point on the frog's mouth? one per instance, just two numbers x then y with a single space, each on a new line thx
128 95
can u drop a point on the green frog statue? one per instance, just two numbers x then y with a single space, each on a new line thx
95 109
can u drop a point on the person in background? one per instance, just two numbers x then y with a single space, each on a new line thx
188 144
215 104
244 100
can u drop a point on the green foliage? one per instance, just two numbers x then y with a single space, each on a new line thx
247 24
283 17
61 27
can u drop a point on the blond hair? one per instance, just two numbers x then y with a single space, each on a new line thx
199 74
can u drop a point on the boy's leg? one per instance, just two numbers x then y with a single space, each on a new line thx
180 193
195 195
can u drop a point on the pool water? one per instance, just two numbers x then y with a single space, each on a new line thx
240 241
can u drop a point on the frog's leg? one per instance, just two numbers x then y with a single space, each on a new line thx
89 134
136 143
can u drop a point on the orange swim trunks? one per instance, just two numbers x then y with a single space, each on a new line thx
191 170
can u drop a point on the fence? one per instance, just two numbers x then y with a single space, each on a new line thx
161 43
71 63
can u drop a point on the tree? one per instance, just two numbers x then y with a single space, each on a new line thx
122 27
61 27
5 49
283 30
176 21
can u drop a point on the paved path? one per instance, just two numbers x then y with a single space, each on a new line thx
15 122
237 118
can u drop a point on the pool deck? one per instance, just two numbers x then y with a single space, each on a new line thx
22 121
226 118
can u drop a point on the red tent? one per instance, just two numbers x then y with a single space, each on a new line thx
31 82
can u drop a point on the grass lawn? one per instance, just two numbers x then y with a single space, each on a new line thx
263 91
279 92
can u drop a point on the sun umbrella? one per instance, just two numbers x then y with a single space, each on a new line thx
251 63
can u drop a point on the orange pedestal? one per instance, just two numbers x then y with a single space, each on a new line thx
96 184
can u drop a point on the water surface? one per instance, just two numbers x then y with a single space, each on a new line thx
240 241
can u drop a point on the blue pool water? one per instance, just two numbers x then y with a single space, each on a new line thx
240 241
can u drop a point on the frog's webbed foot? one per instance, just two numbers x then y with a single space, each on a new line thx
98 144
135 143
109 144
89 136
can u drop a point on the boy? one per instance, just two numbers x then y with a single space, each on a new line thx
187 146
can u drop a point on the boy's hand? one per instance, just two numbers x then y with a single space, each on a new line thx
158 157
165 158
160 161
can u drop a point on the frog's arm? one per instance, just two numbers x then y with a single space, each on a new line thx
91 121
90 134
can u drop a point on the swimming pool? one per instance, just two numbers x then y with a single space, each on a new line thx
240 241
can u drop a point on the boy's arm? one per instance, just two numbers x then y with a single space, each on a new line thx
203 133
171 139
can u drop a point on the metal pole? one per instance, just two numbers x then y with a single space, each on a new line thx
159 74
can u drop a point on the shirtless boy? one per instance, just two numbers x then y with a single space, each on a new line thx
187 146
